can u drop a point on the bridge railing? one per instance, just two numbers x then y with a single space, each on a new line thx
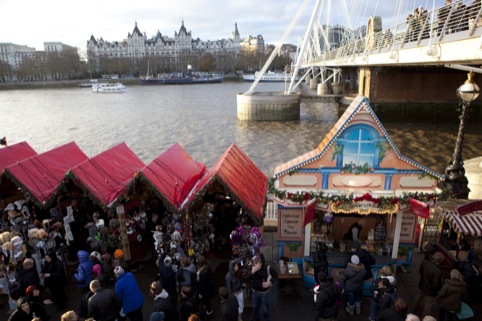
461 16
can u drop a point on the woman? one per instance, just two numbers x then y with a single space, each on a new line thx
83 275
234 284
354 279
204 279
55 278
385 273
451 295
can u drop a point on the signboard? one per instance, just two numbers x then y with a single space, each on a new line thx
407 232
469 208
290 225
121 216
419 208
380 232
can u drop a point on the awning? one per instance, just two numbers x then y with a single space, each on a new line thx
243 180
468 224
105 176
42 174
173 175
15 153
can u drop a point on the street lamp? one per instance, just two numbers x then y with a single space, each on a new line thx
455 180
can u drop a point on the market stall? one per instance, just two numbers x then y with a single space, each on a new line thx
355 186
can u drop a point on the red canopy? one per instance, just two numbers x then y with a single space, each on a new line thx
107 175
173 174
241 178
42 174
15 153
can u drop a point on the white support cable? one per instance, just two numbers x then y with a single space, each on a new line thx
278 47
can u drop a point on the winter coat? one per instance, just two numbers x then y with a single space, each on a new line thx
26 277
386 298
20 315
205 283
234 283
354 277
57 278
128 293
229 309
374 286
188 306
162 303
390 315
187 276
103 305
167 276
430 278
471 278
83 275
451 295
367 260
261 276
325 300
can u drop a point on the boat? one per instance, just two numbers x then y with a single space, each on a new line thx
108 88
188 78
270 76
88 84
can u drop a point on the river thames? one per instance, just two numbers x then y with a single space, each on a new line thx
202 119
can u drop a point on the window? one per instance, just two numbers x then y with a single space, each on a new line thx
359 146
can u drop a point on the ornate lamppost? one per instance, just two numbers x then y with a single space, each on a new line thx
455 180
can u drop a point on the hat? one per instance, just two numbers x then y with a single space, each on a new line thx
21 300
118 254
437 257
96 255
355 259
167 261
30 290
118 271
97 269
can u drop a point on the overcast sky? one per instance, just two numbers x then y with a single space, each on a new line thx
72 22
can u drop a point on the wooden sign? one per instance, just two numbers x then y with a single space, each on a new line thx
121 217
380 232
407 232
290 225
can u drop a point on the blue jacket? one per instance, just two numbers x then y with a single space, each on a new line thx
128 293
83 275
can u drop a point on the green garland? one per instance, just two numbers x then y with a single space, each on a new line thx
293 247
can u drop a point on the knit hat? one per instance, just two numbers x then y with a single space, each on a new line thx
96 255
168 261
118 254
355 259
118 271
30 290
21 301
97 269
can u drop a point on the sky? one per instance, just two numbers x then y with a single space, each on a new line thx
72 22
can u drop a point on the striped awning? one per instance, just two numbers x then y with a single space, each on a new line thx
468 224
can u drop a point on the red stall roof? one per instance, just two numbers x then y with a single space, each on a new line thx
241 178
107 175
42 174
15 153
173 175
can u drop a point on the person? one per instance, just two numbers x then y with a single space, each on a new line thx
387 295
188 304
83 310
83 274
167 277
69 316
33 295
353 232
229 305
262 278
26 311
103 304
187 274
27 275
442 16
320 260
365 258
396 313
163 306
54 277
234 285
470 274
450 296
354 279
385 272
128 294
412 317
204 279
430 283
325 298
194 317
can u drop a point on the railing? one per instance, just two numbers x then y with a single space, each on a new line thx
461 16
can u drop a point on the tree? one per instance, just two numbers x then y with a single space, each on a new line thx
206 62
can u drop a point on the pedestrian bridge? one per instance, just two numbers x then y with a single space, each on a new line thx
441 36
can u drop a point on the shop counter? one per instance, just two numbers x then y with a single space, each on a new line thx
292 271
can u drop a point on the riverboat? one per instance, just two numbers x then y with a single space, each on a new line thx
88 84
270 76
183 79
108 88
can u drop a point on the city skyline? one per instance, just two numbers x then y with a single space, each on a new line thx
73 22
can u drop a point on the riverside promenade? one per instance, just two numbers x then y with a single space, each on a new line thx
289 300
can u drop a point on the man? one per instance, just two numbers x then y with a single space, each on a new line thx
128 294
430 283
26 311
325 298
229 306
262 278
103 304
27 275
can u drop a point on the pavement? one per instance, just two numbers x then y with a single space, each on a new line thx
289 300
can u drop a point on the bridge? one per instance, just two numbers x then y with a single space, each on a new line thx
447 36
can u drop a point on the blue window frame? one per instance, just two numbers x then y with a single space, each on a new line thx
359 146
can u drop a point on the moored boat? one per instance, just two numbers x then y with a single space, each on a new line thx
270 76
108 88
88 84
188 78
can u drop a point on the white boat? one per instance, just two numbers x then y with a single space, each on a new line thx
88 84
108 88
270 76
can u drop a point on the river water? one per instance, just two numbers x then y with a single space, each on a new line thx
202 119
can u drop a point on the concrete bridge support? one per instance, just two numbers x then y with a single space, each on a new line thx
268 106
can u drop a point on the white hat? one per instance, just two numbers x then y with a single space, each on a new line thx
167 261
355 259
118 271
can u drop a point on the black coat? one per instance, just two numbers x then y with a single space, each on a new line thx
205 283
103 305
391 315
35 308
430 278
27 277
163 303
188 306
168 280
325 301
229 309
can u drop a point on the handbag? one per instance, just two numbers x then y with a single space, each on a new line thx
465 312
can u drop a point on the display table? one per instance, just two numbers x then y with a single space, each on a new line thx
290 273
